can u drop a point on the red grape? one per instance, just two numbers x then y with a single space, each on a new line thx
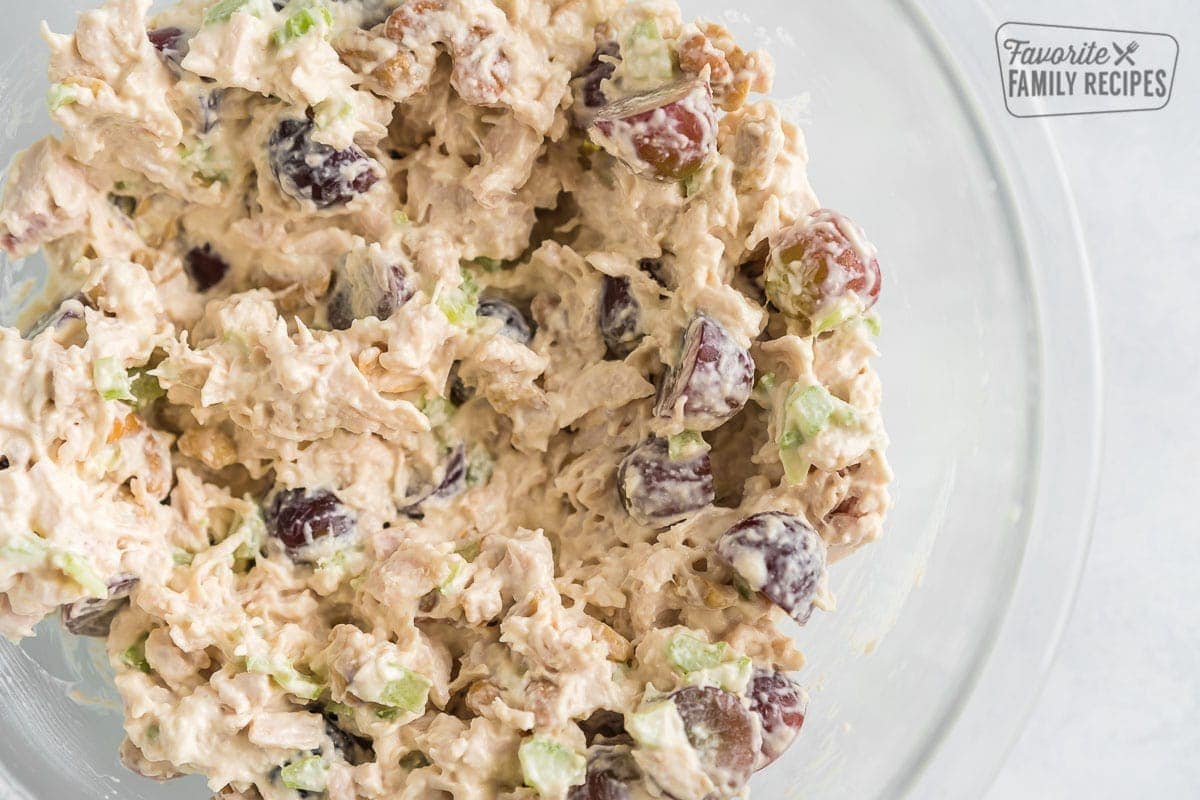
823 269
659 491
780 705
723 732
309 170
713 379
668 133
779 555
620 316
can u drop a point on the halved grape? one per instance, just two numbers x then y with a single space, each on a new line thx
712 381
171 42
823 269
659 491
620 317
667 134
309 170
205 267
450 480
93 616
611 771
723 732
366 287
300 517
514 325
779 555
780 705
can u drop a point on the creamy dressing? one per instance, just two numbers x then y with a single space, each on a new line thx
235 326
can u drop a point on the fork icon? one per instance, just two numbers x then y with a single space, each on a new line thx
1125 55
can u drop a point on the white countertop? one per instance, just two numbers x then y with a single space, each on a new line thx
1120 714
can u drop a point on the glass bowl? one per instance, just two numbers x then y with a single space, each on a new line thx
923 677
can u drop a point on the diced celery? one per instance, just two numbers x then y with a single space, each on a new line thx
685 445
480 466
409 691
459 304
339 709
469 551
687 653
453 572
80 570
656 726
134 656
646 58
253 529
809 410
873 323
303 18
61 94
145 388
400 219
29 549
288 678
223 10
550 767
487 264
183 558
111 380
439 410
732 676
309 774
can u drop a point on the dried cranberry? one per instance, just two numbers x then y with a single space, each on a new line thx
599 69
300 517
205 267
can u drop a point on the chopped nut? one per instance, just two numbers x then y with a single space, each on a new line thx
732 72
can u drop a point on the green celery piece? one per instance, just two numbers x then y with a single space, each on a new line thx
111 380
309 774
61 94
134 656
469 551
145 388
550 767
684 445
646 57
653 727
302 20
408 692
688 654
809 410
223 10
26 549
80 570
459 304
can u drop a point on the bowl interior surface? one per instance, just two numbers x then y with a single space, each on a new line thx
894 145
